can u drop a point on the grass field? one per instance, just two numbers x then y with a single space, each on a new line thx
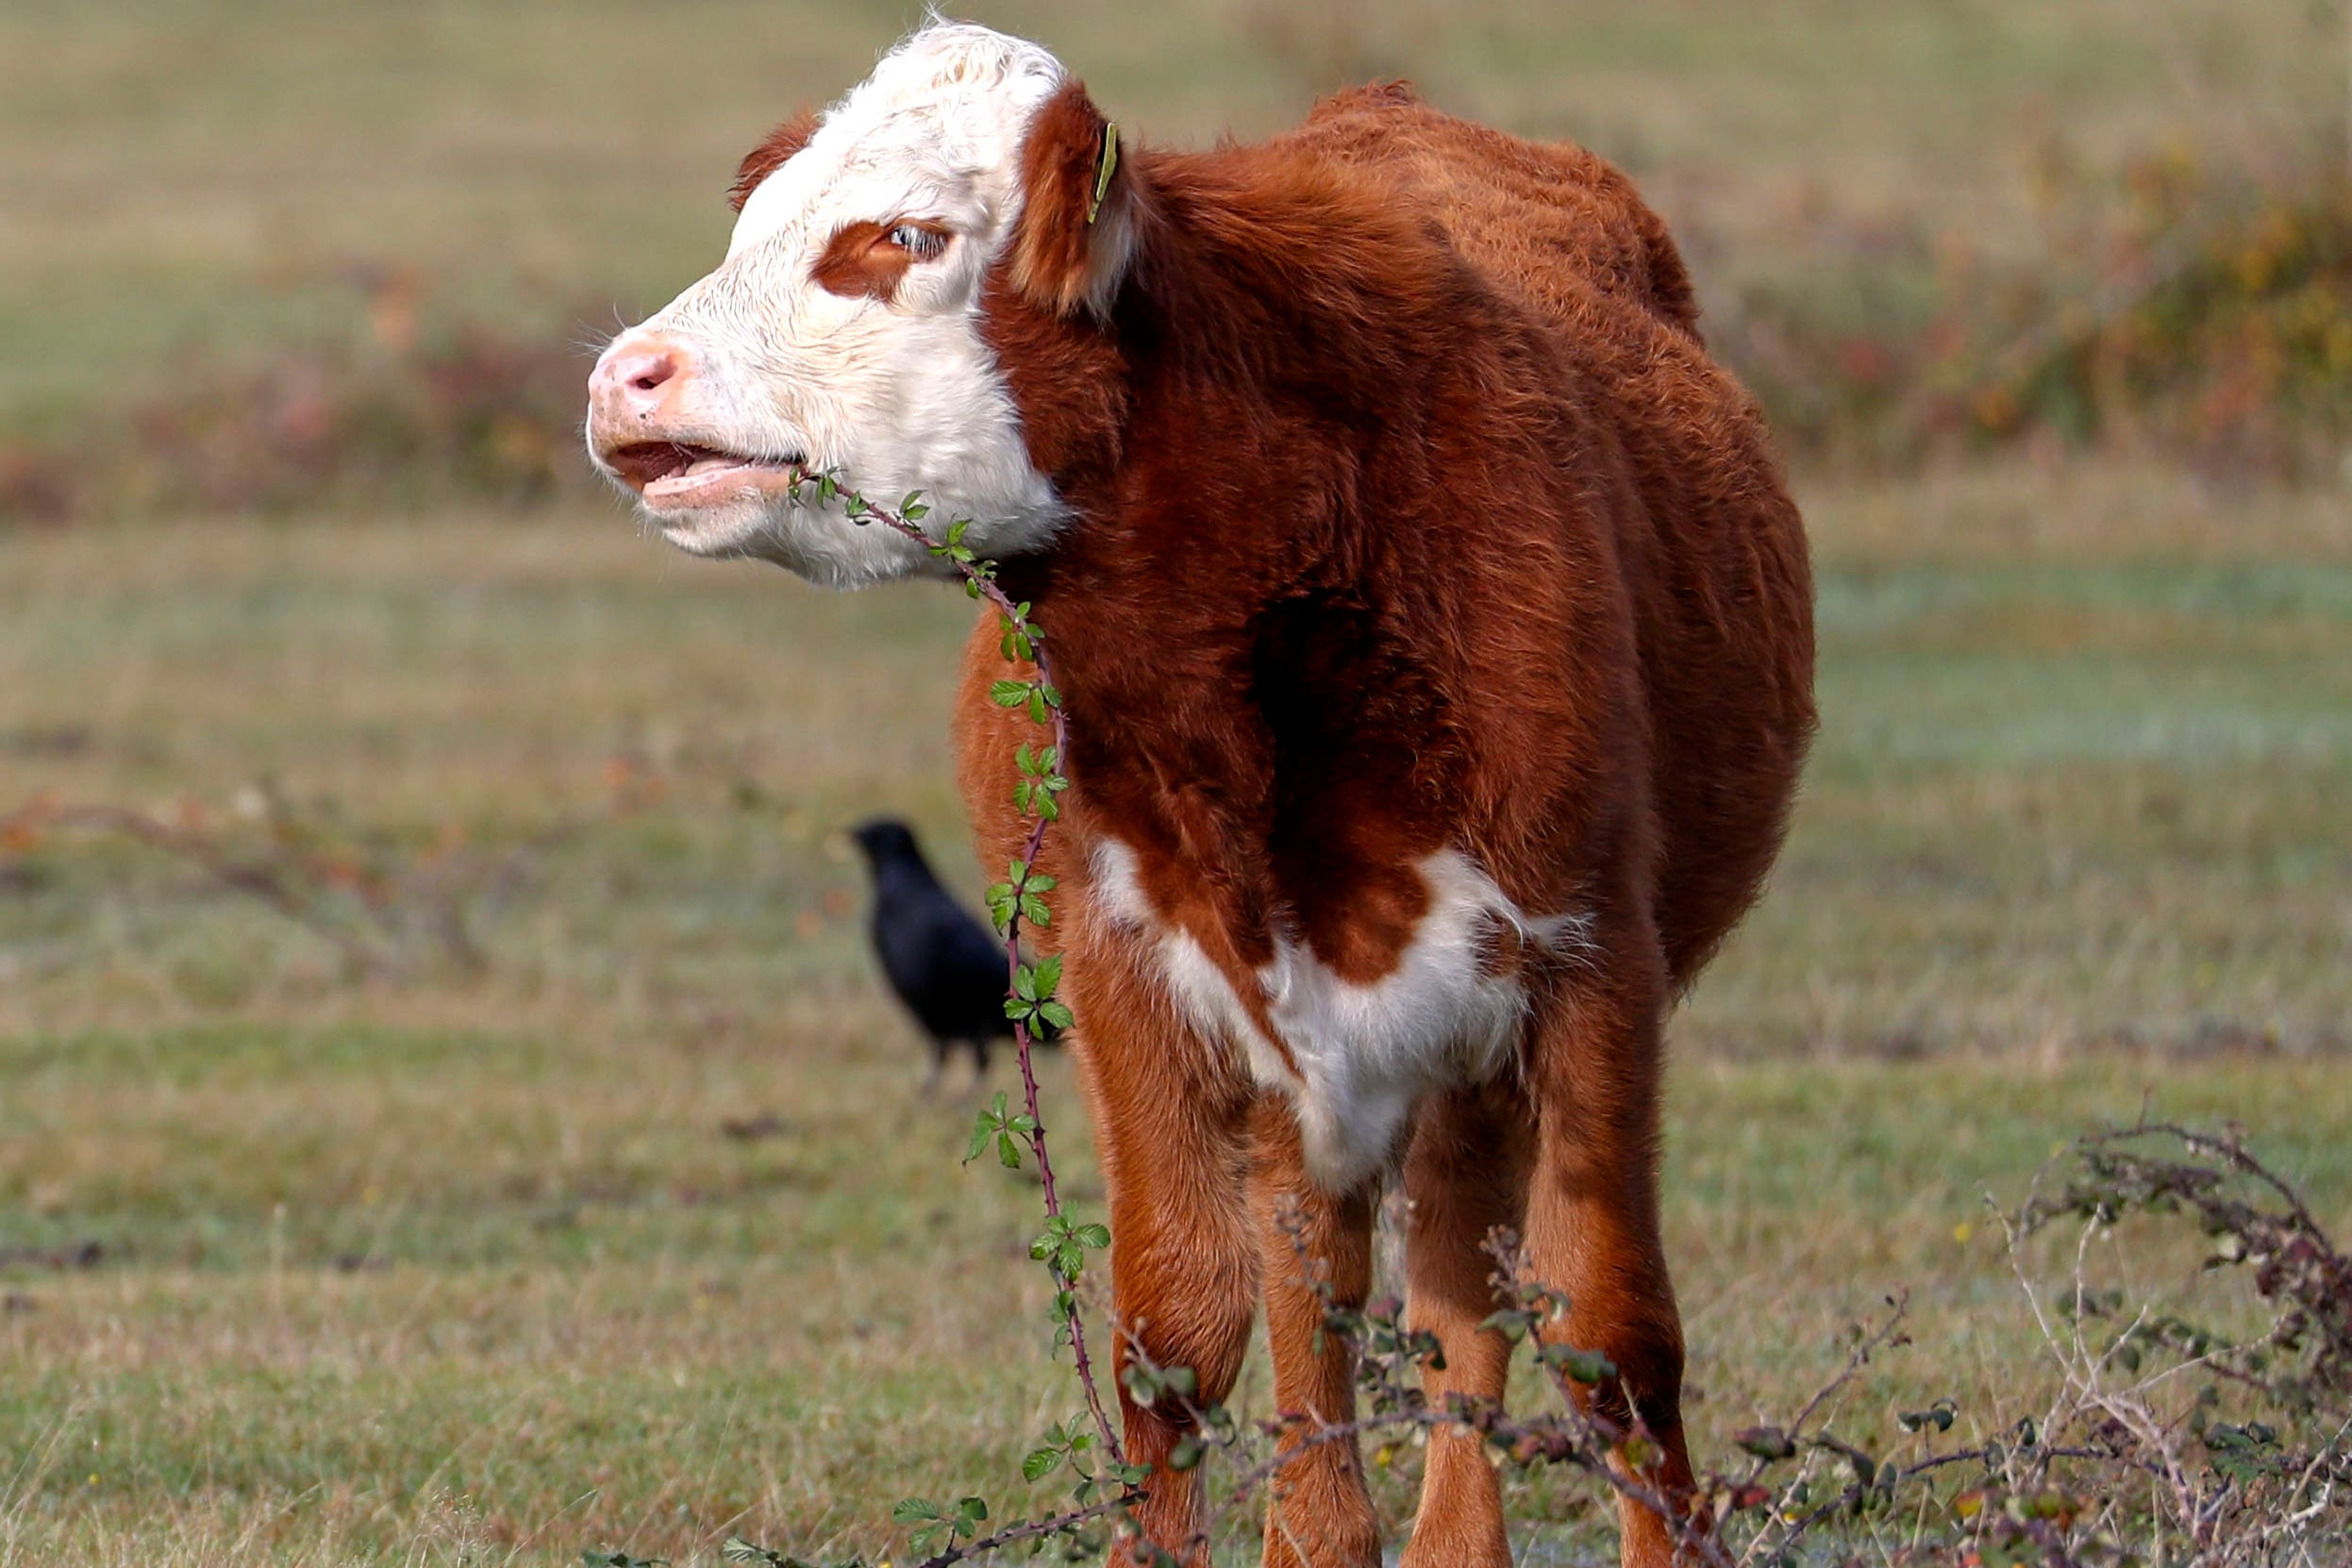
640 1234
381 1269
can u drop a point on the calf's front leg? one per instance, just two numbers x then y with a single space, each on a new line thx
1170 1128
1465 1178
1314 1245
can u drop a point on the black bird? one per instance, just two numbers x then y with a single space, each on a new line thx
945 964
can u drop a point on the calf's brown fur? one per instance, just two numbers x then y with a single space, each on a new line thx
1410 513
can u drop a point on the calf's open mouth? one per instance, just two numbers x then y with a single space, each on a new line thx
682 471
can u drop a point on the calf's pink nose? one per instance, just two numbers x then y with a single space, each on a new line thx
637 378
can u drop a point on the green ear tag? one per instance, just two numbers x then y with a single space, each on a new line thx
1105 169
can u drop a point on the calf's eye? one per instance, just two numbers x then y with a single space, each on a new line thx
924 245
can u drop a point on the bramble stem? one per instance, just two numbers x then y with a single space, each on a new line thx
979 578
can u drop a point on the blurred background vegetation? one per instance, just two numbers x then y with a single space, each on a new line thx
265 253
445 1111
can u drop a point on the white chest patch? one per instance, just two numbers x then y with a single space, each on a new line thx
1363 1053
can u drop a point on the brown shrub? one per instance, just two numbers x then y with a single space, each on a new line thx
2178 309
404 413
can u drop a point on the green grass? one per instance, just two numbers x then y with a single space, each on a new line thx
653 1342
386 1269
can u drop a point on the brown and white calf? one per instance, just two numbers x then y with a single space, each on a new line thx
1435 632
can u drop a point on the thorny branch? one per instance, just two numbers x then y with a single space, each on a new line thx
273 883
315 884
1023 637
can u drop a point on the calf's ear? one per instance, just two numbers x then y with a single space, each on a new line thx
1078 208
764 160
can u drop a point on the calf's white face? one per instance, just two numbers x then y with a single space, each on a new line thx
842 333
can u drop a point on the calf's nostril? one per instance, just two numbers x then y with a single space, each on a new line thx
642 378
